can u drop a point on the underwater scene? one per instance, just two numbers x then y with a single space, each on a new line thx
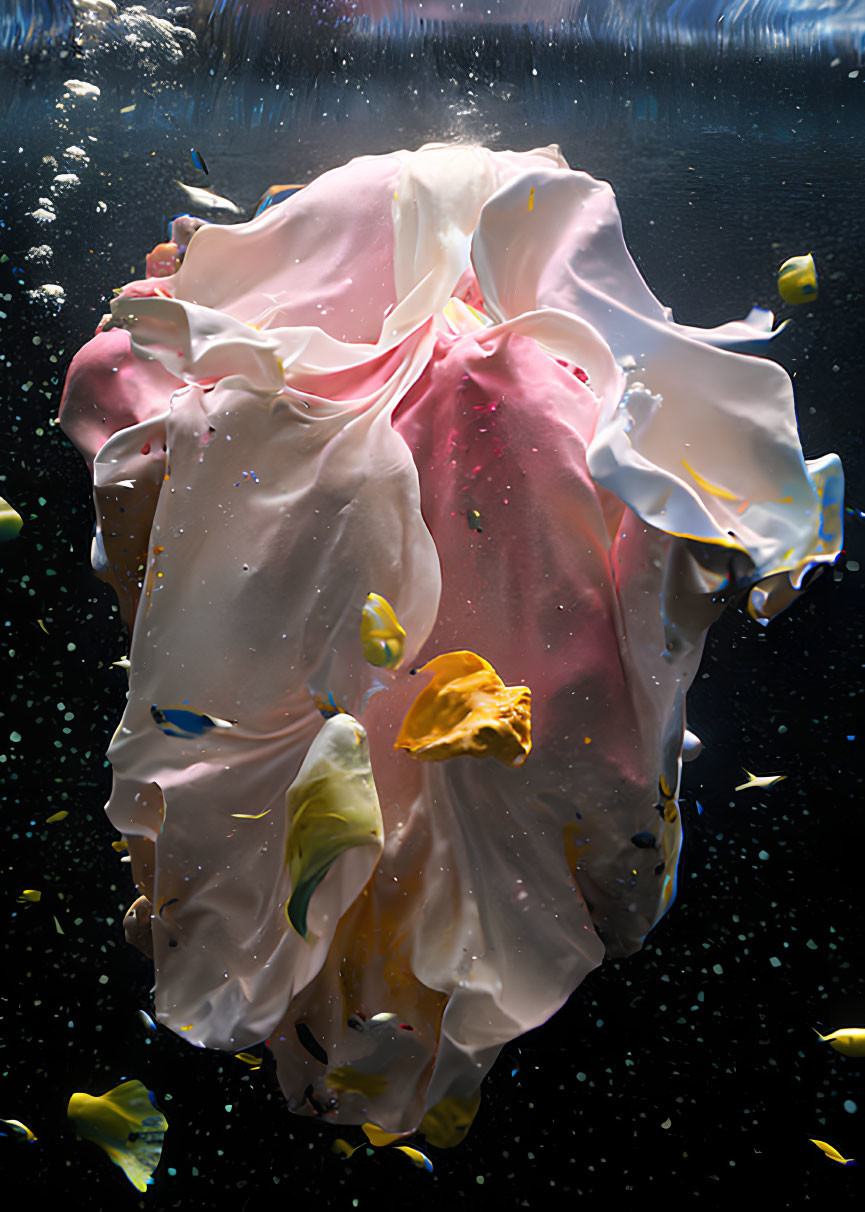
431 517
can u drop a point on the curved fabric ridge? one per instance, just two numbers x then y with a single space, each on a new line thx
332 807
702 443
467 710
436 380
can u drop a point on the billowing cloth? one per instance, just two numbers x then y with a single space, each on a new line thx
434 382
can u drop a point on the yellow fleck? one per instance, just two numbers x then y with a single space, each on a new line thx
58 816
532 198
250 816
714 489
41 623
31 895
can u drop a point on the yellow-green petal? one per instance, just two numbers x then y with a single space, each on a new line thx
332 807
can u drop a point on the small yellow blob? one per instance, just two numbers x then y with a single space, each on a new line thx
797 280
467 710
849 1041
832 1153
382 639
120 845
249 1058
344 1148
10 522
447 1123
126 1123
58 816
31 895
41 623
532 199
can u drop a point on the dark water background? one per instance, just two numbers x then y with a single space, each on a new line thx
688 1071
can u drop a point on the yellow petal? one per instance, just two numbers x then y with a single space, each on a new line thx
332 806
378 1137
382 638
467 710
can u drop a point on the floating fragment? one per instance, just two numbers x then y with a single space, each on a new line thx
276 193
208 201
81 88
327 706
382 638
14 1127
147 1020
41 623
10 522
414 1155
467 710
126 1123
385 1016
250 816
249 1058
123 663
185 723
29 896
332 807
474 521
832 1153
849 1041
58 816
344 1148
760 780
50 292
797 280
198 161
